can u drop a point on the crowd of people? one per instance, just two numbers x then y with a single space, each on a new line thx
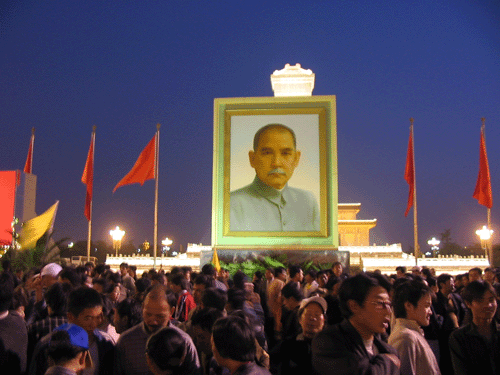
90 320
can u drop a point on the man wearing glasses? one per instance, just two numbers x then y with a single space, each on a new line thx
354 346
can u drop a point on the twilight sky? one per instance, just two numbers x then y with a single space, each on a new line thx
125 66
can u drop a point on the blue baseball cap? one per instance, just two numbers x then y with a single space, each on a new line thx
77 335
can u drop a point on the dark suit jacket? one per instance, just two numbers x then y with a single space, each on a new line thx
339 349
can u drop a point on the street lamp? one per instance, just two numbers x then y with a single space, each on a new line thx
117 235
434 244
166 247
484 235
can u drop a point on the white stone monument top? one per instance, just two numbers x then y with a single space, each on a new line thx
293 81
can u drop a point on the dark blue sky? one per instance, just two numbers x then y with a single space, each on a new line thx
125 66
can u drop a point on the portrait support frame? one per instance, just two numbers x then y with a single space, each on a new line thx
313 119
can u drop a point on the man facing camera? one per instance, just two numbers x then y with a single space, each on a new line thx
268 204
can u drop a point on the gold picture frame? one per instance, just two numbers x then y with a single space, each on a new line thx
313 120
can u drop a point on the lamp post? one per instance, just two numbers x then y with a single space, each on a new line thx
166 247
117 235
484 235
434 244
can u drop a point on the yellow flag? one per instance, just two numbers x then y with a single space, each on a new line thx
215 261
35 228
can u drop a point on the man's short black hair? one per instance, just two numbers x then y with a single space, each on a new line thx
209 270
214 297
124 265
476 269
131 309
234 339
279 127
180 280
475 290
206 280
206 317
293 270
291 289
401 268
83 298
236 298
57 298
6 291
357 288
410 291
443 278
72 276
278 271
239 280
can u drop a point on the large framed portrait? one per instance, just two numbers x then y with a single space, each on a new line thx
275 172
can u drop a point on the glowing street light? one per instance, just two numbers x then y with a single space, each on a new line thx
166 247
434 244
117 235
484 235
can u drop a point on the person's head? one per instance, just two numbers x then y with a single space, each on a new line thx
337 269
69 275
202 322
322 278
480 298
201 283
49 274
489 275
274 156
124 269
209 270
400 272
475 274
166 352
186 272
127 314
68 347
235 299
310 276
270 274
280 273
292 295
228 331
6 291
85 309
57 297
416 271
156 309
364 300
296 273
446 283
312 315
239 280
179 283
412 300
214 297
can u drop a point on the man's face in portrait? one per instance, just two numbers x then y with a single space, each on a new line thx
275 157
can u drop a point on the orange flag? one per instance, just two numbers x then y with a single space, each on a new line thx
483 185
88 177
410 172
28 166
144 167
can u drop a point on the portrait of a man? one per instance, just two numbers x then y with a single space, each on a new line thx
268 203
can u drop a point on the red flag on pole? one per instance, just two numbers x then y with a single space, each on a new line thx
144 167
88 177
28 166
410 172
483 185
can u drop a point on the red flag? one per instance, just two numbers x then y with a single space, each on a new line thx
88 178
410 172
28 166
144 167
483 185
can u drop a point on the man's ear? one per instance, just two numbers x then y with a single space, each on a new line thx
297 157
81 360
251 157
353 306
408 307
71 317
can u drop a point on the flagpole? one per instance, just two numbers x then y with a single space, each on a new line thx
488 210
89 237
157 156
415 223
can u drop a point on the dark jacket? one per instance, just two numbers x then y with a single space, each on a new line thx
339 349
471 354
